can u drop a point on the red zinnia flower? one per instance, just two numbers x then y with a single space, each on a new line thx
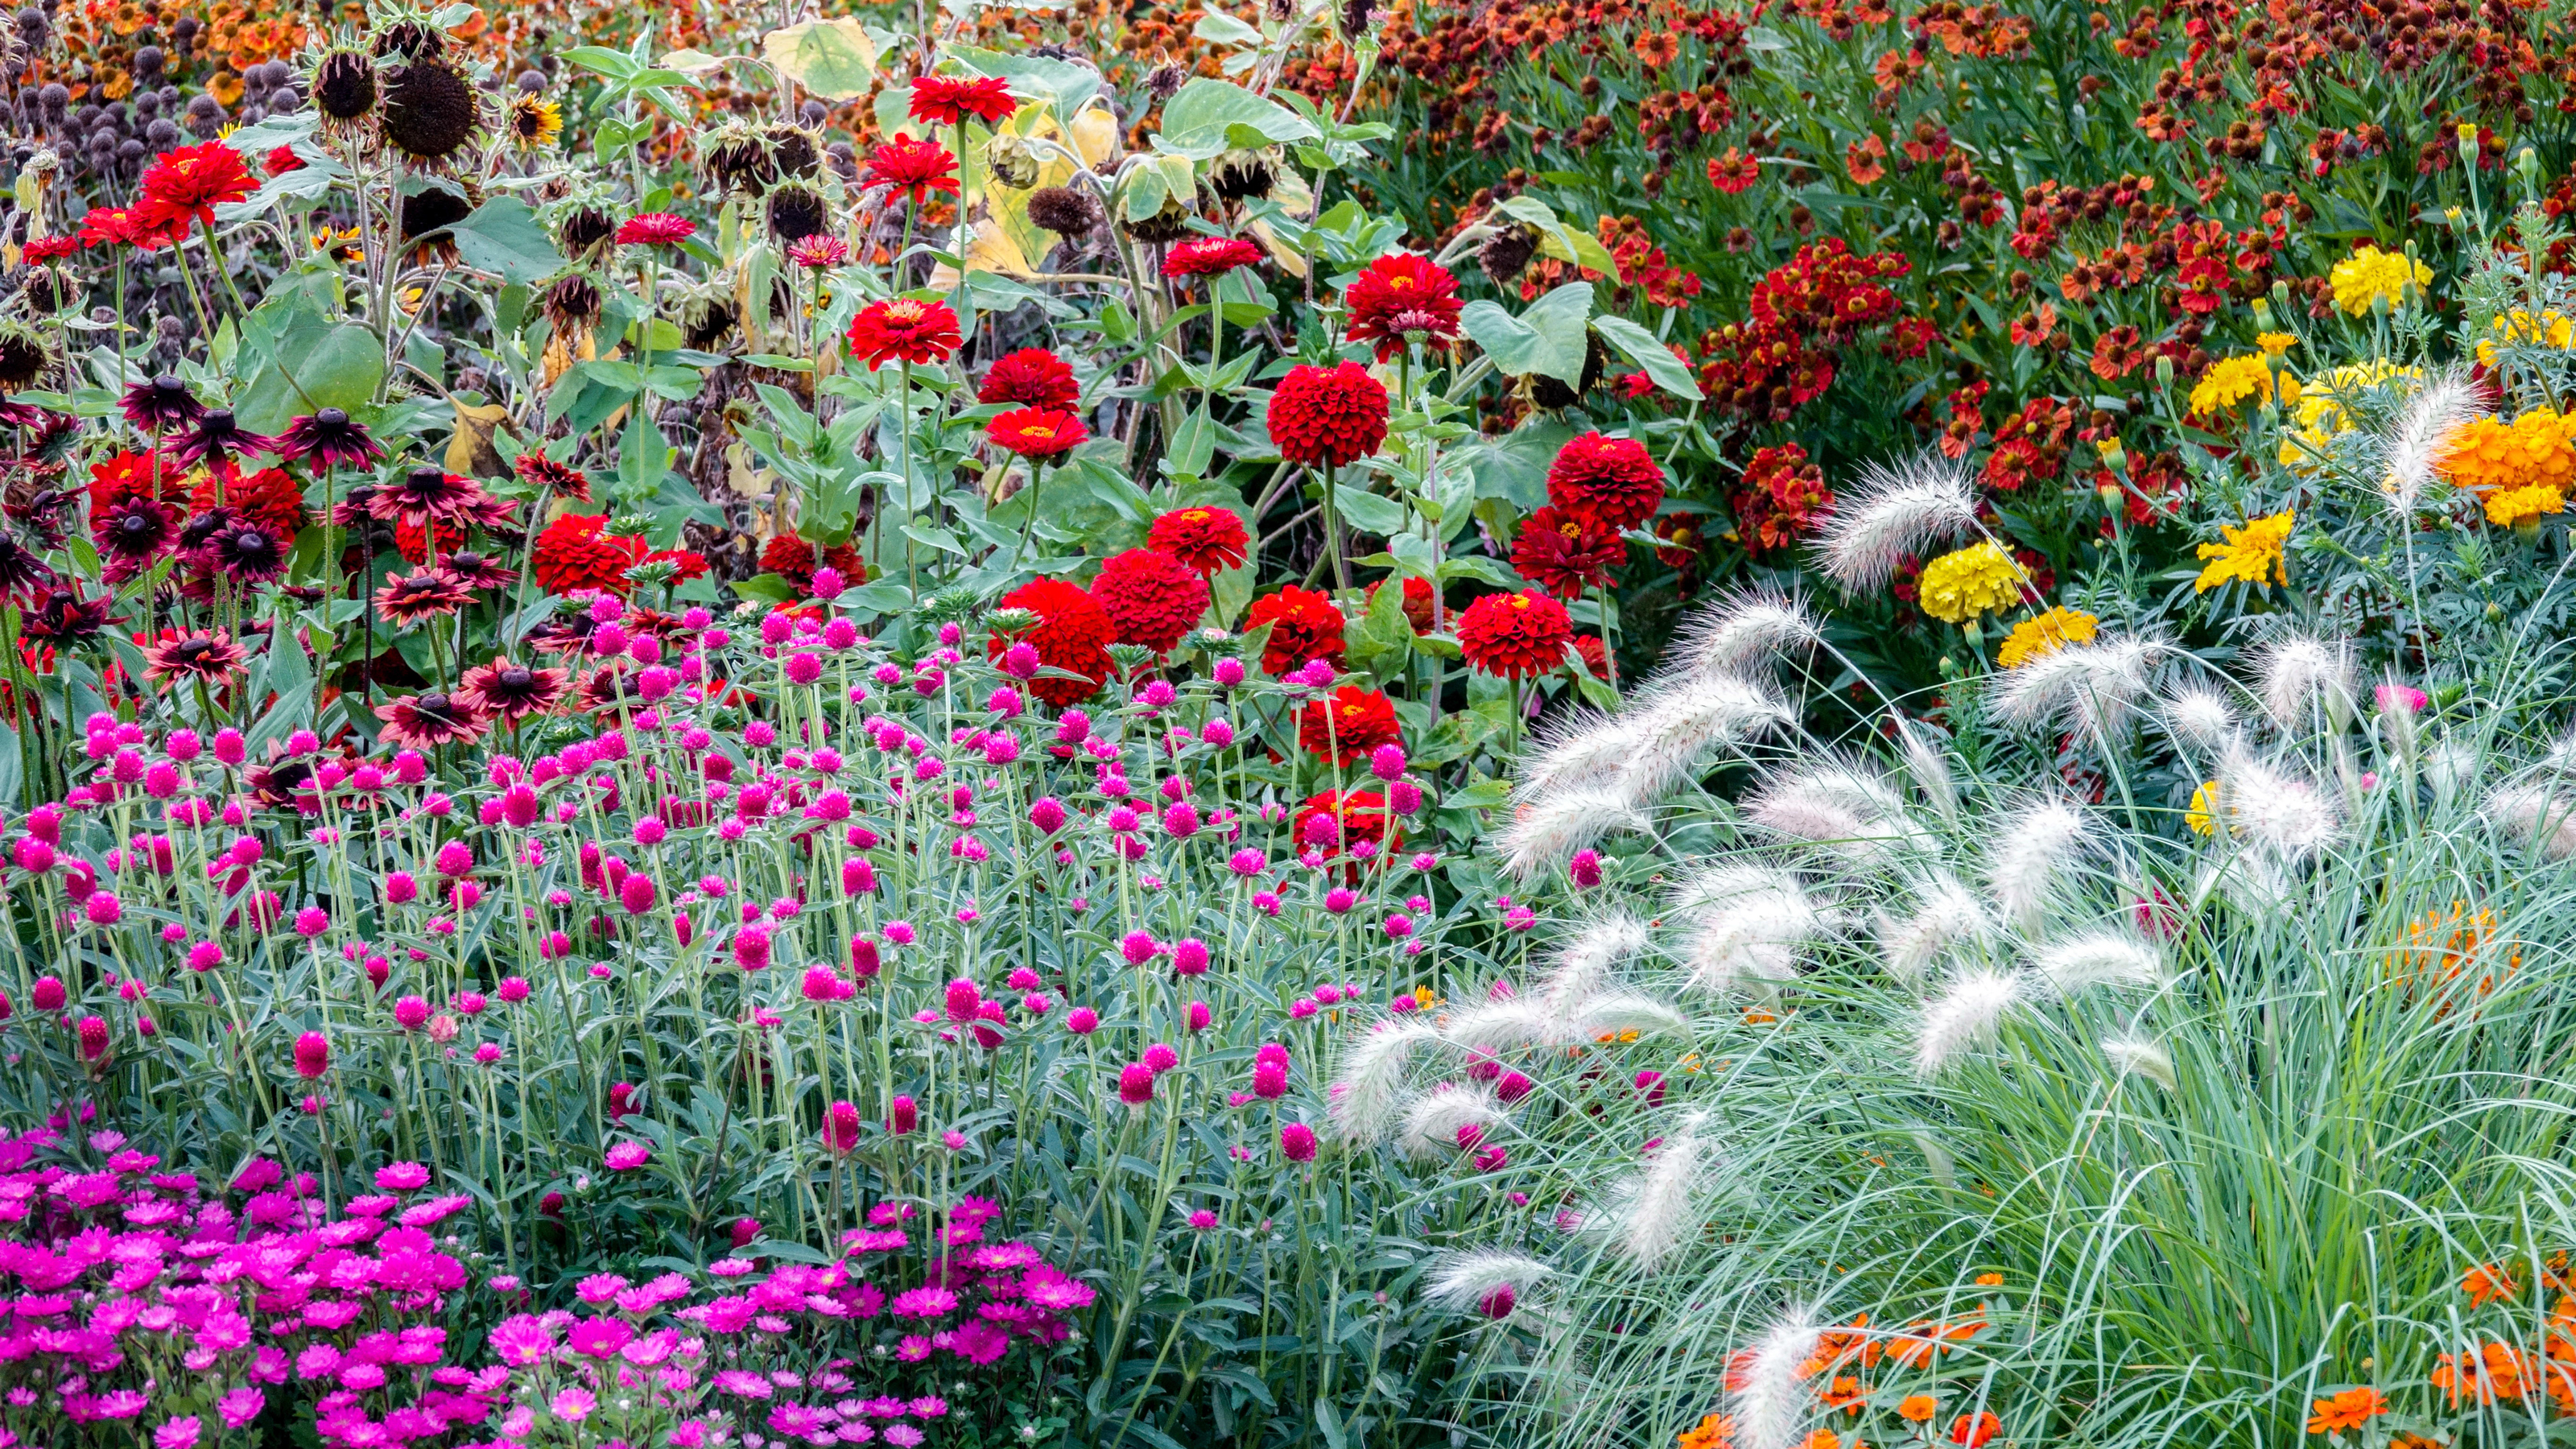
1594 653
134 475
1153 598
1304 625
907 167
50 249
1036 432
412 540
1401 293
1328 416
1348 726
186 185
282 159
135 226
1210 256
573 554
1206 539
1073 633
1417 602
1032 377
795 560
1361 814
1606 482
1564 554
947 100
270 497
1515 636
655 229
901 328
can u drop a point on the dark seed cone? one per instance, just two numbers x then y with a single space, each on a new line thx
431 112
1507 253
344 86
1065 210
797 211
1238 175
572 304
794 151
587 229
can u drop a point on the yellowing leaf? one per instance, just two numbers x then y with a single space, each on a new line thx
692 63
469 448
834 59
1095 134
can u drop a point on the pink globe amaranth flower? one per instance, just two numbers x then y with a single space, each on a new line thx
1228 672
1498 1301
1399 926
1036 1003
1203 1220
744 1231
1513 1087
103 908
965 1000
841 1128
863 957
1160 1058
1135 1084
512 990
161 781
312 1055
1270 1080
230 747
1137 947
820 984
1218 732
1387 762
1198 1016
1189 957
804 667
858 877
312 921
906 1116
47 993
1247 863
636 893
1082 1021
627 1156
1181 820
1405 798
92 1031
1297 1142
401 888
455 858
411 1013
750 947
1340 900
1584 869
2400 698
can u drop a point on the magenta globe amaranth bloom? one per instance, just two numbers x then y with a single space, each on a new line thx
1135 1083
312 1055
1297 1142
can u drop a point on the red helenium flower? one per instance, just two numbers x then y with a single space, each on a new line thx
573 553
1210 256
1032 377
1036 432
1073 633
1607 482
901 328
1348 726
1153 598
1304 625
1401 293
1206 539
1328 416
1564 554
906 167
1515 636
947 100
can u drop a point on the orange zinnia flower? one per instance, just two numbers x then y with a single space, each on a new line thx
2347 1410
1917 1408
2488 1282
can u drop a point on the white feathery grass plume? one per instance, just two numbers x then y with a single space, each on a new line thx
1553 826
1432 1123
1893 513
1743 628
2544 819
1461 1282
1586 747
1834 804
1751 921
1929 771
2135 1056
1963 1015
2096 685
1771 1408
2297 669
1945 915
1503 1023
2285 813
1364 1099
2451 766
1674 729
1652 1212
2022 867
2412 447
1588 962
2199 716
1617 1013
2099 958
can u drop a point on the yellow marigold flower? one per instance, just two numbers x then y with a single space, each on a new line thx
2254 554
2520 329
2275 343
2370 274
1978 579
2512 506
2043 634
2487 455
2231 382
2204 809
2319 413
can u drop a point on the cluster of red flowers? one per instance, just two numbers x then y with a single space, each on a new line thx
1151 596
1823 297
1783 498
577 552
179 192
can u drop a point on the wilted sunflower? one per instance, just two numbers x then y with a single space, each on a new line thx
793 150
586 231
735 158
344 87
431 113
797 211
24 356
535 122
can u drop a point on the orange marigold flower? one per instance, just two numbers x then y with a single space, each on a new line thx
1974 1431
2347 1410
1917 1408
1716 1431
2488 1282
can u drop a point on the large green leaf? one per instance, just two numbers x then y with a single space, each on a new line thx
503 238
316 365
1061 85
1547 339
1649 354
835 59
1211 116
